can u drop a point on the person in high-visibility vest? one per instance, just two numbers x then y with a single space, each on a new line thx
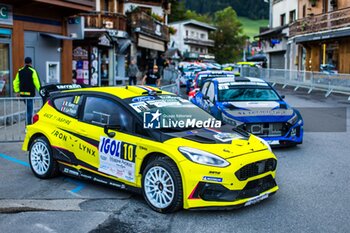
25 83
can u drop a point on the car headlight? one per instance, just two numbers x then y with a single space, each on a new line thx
203 157
266 144
230 121
293 120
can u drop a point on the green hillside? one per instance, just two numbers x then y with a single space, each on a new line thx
251 27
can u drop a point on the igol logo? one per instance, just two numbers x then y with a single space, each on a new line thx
110 147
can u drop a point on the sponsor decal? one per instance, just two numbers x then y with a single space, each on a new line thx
211 178
89 150
59 119
71 172
117 158
59 135
69 108
140 107
143 148
143 98
256 199
214 172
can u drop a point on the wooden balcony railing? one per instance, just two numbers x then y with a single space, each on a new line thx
194 41
322 22
107 20
144 23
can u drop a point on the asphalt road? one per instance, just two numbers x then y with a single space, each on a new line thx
314 193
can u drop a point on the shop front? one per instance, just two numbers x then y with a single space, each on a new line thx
93 60
38 30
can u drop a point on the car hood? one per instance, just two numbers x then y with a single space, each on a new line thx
258 111
226 144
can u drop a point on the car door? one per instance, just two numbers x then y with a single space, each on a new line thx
115 147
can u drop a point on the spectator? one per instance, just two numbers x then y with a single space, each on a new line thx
161 63
132 72
25 83
152 78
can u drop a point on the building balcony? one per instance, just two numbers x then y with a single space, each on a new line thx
195 41
322 22
105 20
141 22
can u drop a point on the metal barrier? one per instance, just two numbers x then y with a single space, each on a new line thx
171 76
337 83
13 117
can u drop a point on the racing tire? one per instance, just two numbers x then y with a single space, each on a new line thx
162 185
41 160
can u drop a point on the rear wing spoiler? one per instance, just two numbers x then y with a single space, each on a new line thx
46 91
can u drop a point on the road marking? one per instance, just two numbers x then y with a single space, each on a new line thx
14 160
79 185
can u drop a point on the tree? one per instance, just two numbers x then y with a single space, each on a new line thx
194 15
229 38
178 11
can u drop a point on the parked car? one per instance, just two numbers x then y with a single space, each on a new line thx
253 105
202 76
110 135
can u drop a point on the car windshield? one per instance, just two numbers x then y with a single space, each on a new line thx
203 77
172 108
246 93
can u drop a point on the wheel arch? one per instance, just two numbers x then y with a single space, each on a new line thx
151 156
35 136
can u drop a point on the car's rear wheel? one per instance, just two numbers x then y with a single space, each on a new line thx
41 160
162 185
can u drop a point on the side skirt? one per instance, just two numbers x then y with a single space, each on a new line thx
92 176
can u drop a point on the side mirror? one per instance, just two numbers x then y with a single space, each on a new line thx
113 127
283 96
205 97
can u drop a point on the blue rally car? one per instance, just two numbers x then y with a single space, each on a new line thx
251 104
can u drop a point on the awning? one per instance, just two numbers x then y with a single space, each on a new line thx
150 43
273 32
57 36
323 35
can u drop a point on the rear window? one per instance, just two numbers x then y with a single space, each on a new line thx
68 105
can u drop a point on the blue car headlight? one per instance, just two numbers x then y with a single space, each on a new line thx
294 119
230 121
203 157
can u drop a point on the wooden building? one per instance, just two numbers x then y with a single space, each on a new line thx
99 59
322 32
38 29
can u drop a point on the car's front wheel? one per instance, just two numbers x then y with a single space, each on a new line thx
162 185
41 160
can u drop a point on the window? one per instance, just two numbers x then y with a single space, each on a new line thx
211 92
283 19
304 11
68 105
101 111
186 33
292 16
205 88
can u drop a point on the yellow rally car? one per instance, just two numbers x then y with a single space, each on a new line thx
112 135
